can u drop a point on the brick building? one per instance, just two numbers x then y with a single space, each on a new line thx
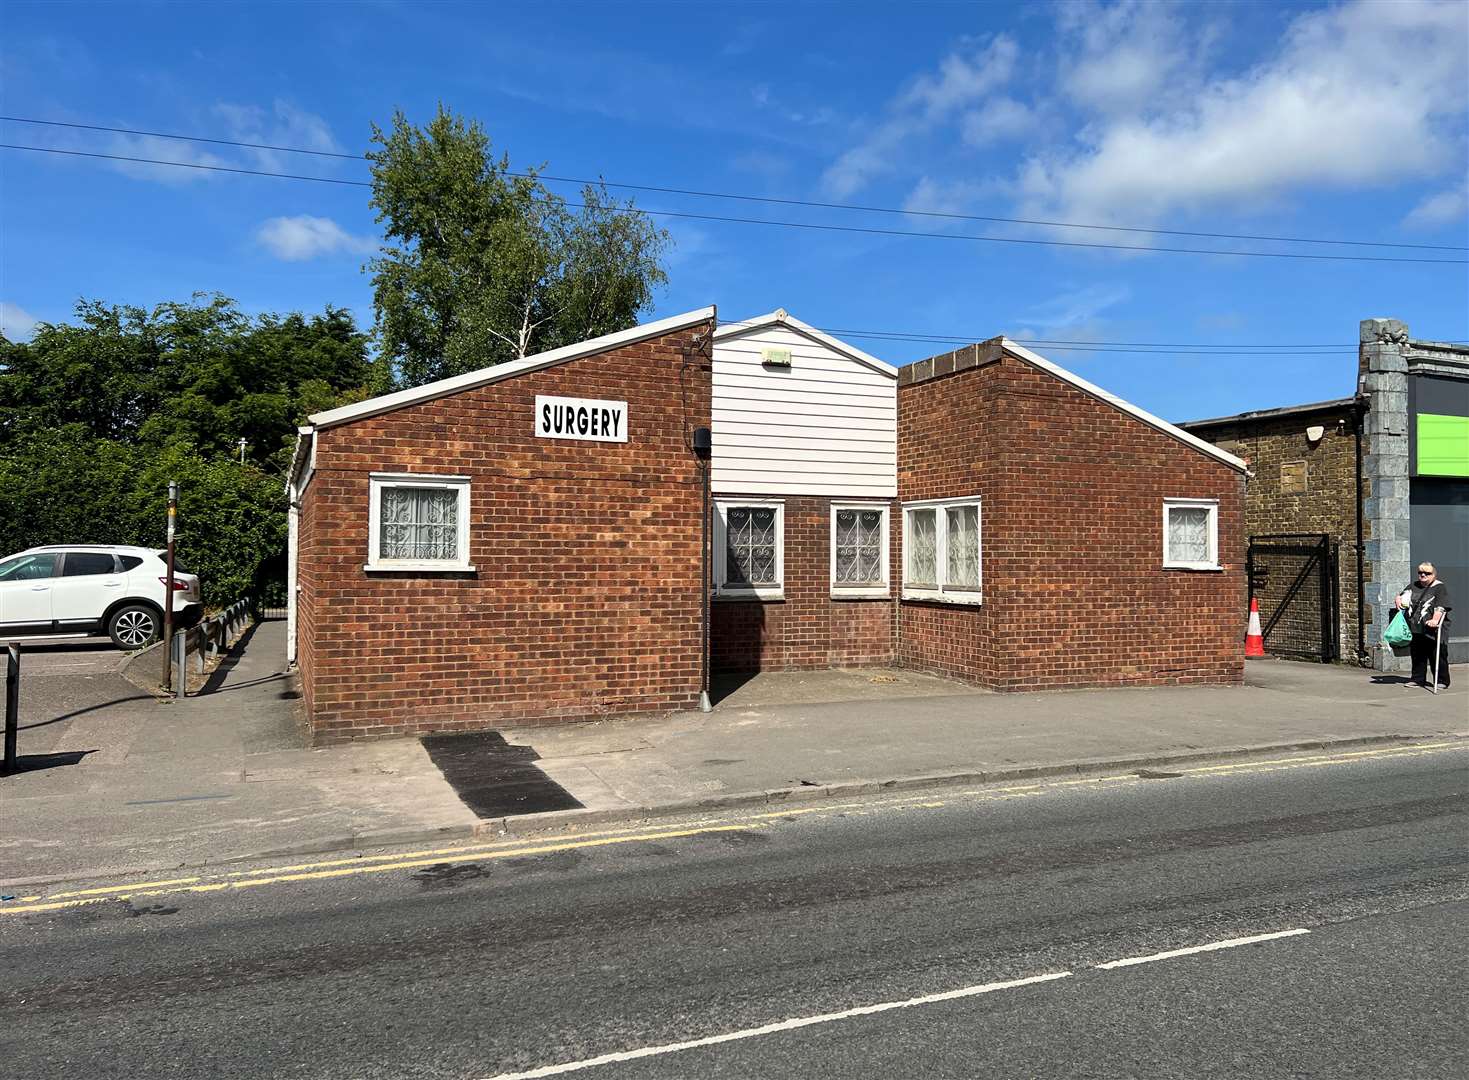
526 542
1304 461
1404 440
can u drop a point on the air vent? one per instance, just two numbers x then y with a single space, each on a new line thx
777 358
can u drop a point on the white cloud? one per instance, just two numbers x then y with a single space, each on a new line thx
1124 57
16 323
962 79
283 125
1356 96
146 146
1445 208
1073 309
296 239
996 120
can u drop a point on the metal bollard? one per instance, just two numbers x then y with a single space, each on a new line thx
12 704
180 670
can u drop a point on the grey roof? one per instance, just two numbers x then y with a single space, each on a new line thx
1333 405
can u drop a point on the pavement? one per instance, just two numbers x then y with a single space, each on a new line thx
115 781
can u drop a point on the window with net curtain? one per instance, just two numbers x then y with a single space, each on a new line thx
1191 533
942 550
859 547
420 522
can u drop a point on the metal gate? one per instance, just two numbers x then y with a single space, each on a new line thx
1294 577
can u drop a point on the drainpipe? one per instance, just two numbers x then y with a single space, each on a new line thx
1358 412
703 448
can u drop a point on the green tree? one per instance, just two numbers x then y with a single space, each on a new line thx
97 416
201 374
480 266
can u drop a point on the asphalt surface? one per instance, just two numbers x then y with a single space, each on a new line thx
486 962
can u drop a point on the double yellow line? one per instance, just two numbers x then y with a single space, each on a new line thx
233 881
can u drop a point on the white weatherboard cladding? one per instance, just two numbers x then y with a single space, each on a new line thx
827 425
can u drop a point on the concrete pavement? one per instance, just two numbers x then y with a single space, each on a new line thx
115 780
118 781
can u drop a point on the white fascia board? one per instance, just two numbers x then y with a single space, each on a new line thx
780 317
484 376
299 456
1126 406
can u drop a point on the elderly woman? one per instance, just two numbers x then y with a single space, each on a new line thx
1426 606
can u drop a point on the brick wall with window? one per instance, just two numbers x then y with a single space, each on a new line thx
573 589
801 582
1069 494
1301 485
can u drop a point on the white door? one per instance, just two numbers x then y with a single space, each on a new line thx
25 590
89 582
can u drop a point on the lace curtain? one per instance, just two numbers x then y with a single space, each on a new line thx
963 548
750 545
922 547
419 524
1188 534
859 547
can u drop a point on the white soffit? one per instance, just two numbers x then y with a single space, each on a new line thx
484 376
781 317
1126 406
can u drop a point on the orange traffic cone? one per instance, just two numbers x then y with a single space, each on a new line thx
1254 641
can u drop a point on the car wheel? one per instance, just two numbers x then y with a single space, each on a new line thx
133 626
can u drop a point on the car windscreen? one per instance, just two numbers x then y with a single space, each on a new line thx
28 567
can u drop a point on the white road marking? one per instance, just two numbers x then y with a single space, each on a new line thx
770 1029
1229 944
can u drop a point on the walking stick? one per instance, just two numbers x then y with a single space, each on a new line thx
1437 648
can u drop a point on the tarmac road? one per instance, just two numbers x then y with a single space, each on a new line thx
758 935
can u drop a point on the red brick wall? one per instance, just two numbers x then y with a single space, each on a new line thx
1072 544
809 628
585 599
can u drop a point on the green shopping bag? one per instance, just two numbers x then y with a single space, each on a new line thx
1397 632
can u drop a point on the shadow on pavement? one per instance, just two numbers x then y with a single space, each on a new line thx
37 762
228 664
495 779
83 712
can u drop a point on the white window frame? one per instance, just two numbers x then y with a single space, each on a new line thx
939 591
884 588
1212 563
378 483
722 588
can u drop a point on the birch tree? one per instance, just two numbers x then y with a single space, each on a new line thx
480 265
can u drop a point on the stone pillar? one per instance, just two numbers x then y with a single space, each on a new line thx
1382 377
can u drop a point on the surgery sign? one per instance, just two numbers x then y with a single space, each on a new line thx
581 418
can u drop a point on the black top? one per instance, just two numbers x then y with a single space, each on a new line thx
1425 600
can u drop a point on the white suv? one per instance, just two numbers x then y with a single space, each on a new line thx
93 589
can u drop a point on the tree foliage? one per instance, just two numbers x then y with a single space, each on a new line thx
480 266
98 415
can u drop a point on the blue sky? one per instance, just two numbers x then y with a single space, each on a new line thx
1332 121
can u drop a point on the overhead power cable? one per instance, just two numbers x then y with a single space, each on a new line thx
806 225
744 197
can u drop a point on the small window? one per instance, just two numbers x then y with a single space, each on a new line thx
749 555
941 551
87 564
131 562
28 568
419 523
859 550
1191 534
